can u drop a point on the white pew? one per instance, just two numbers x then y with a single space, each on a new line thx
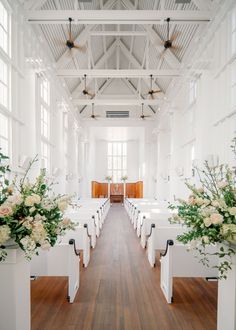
82 241
160 219
176 261
60 260
83 219
158 236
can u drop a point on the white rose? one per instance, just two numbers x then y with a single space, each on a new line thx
5 232
216 218
232 210
15 199
5 210
207 222
32 199
215 204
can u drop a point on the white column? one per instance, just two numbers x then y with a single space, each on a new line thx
15 292
226 310
109 189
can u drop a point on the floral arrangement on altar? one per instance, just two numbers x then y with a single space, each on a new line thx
108 178
31 216
124 178
210 214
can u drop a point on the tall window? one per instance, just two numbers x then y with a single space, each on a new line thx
4 29
5 69
117 160
192 91
4 134
45 121
233 31
65 138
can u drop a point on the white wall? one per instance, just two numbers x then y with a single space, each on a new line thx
209 123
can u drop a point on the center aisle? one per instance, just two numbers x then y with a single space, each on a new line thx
119 290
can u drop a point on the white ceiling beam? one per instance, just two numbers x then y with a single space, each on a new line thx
117 16
118 33
118 101
103 73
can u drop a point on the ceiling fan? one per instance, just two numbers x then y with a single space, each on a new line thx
151 92
85 91
142 116
93 116
168 43
70 43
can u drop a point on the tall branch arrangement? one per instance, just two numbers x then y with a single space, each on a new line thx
210 214
31 216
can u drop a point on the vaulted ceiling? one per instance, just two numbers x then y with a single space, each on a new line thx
124 35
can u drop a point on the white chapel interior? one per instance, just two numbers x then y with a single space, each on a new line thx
117 164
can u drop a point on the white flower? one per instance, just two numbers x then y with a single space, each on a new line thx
232 210
229 232
205 239
215 204
200 190
39 233
28 243
66 222
5 210
222 184
5 232
27 222
45 245
32 199
207 222
200 201
62 205
216 218
15 199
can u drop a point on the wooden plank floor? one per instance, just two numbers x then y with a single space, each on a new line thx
119 290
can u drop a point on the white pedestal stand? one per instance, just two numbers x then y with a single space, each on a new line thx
15 292
226 310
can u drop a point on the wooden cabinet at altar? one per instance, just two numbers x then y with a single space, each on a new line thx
99 190
117 190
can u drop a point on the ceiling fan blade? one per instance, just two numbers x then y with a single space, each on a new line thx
157 91
174 36
176 47
80 48
90 94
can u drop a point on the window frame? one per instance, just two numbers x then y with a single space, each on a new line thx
117 160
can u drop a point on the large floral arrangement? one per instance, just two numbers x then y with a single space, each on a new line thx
31 216
210 214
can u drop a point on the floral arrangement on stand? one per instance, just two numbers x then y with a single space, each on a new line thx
108 178
31 216
210 214
124 178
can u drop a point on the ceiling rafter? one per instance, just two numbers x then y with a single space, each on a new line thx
132 16
114 73
34 4
97 65
118 101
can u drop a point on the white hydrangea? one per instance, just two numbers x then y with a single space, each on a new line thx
5 232
39 233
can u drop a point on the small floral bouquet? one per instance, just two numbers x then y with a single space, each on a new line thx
30 215
108 178
210 215
124 178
